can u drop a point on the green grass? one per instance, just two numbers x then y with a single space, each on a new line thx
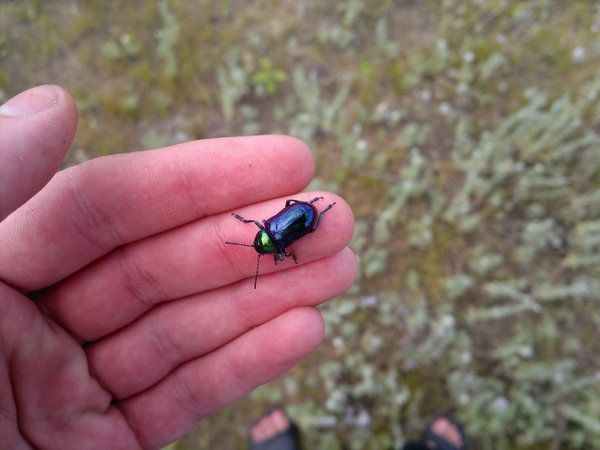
464 135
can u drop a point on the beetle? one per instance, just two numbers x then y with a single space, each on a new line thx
296 220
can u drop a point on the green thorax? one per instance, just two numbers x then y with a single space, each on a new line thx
263 243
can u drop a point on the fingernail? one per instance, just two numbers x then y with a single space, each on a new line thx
30 102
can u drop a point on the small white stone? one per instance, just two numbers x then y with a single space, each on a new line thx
578 53
500 404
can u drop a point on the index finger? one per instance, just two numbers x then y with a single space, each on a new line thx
88 210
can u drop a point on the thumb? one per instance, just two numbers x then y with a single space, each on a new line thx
36 130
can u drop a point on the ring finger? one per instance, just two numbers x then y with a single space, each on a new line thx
181 330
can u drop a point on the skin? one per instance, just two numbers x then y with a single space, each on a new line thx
270 425
124 317
448 431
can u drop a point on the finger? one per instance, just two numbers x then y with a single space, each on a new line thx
36 130
88 210
182 330
9 427
193 258
58 404
205 385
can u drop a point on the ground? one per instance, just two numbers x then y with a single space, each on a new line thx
464 135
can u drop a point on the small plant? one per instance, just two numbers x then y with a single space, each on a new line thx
167 38
233 85
268 77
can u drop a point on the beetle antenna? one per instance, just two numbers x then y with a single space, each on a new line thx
237 243
256 276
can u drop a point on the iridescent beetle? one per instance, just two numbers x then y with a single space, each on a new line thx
296 220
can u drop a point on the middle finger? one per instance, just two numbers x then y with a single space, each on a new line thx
119 288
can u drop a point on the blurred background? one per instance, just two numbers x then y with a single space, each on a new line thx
463 133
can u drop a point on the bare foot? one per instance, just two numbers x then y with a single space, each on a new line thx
447 431
270 425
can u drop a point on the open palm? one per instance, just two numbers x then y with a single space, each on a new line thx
124 317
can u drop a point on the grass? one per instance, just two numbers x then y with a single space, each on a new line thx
464 135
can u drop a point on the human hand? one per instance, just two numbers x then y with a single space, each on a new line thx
124 316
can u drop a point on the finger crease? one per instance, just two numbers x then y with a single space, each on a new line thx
139 281
90 222
189 186
187 399
228 254
165 346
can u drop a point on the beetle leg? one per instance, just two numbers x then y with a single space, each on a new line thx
292 255
240 218
314 200
320 216
278 255
287 203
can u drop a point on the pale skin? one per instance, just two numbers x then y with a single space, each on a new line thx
444 428
124 317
